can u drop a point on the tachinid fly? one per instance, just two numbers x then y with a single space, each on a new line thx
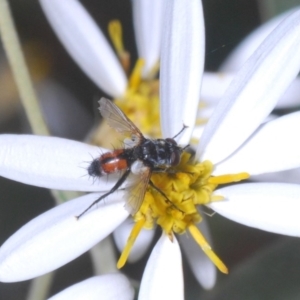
139 157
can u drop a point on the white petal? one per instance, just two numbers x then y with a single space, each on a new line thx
214 86
49 162
291 97
202 267
272 207
205 113
254 91
182 60
274 147
147 21
288 176
105 287
246 48
87 45
198 131
163 278
141 244
56 237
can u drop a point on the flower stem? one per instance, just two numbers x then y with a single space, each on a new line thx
40 287
20 71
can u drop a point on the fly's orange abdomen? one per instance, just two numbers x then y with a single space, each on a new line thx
108 163
111 162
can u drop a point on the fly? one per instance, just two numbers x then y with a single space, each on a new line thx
140 157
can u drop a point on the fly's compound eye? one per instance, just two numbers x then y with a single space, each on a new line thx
175 158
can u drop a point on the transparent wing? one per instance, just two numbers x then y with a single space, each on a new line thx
118 120
136 190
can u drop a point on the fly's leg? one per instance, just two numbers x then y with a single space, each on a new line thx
165 196
114 188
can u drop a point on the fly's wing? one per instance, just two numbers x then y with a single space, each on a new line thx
136 190
118 120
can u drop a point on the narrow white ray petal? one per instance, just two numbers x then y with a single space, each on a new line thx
56 237
254 91
214 86
87 45
272 207
202 267
275 146
105 287
163 278
197 133
288 176
182 60
291 97
141 244
245 49
147 21
204 113
49 162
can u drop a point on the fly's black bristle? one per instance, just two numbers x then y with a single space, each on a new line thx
94 169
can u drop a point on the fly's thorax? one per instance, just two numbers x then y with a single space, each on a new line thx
157 153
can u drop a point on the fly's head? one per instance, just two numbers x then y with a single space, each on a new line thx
175 152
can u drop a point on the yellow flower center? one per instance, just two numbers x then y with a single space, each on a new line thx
141 102
187 186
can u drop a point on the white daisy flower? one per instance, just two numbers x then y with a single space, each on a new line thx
233 141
